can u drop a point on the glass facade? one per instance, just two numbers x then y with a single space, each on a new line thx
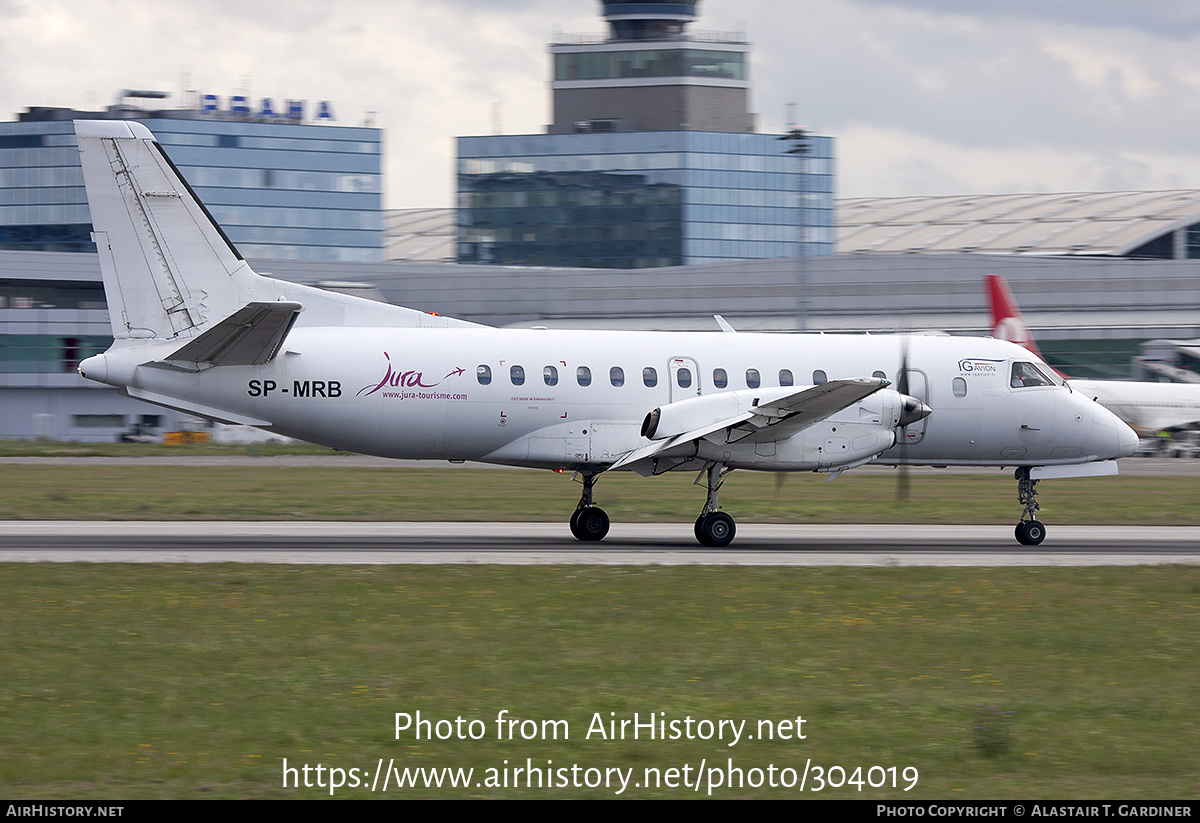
641 199
279 190
666 62
43 206
1192 242
48 353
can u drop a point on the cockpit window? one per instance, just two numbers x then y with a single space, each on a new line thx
1025 375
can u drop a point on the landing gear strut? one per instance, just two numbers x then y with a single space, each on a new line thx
714 528
1030 531
589 522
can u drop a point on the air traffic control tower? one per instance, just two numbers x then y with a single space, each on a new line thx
651 74
650 159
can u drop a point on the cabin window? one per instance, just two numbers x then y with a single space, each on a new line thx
616 376
517 375
720 378
483 374
550 375
879 374
583 375
960 387
785 377
820 378
650 377
684 378
753 379
1025 375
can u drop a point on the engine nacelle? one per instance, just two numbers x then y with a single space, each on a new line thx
848 438
833 444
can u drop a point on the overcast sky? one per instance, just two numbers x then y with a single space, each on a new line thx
922 96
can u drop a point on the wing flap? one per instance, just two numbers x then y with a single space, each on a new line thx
661 446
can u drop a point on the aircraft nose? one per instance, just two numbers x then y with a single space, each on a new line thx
1116 439
1127 440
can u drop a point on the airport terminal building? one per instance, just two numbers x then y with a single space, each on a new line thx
1099 276
283 187
283 182
1111 273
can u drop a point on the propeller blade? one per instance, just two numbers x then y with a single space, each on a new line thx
902 483
902 438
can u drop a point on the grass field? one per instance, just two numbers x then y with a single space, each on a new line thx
273 492
198 681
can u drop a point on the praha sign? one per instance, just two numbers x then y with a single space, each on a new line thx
239 106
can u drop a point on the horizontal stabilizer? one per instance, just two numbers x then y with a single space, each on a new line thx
250 336
212 413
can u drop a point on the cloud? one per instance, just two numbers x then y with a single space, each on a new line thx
425 72
944 90
996 79
1162 18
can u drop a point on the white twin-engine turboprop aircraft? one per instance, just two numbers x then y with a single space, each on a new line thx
197 330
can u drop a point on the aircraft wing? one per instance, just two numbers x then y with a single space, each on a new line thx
816 402
783 415
250 336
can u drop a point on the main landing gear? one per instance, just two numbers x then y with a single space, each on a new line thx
714 528
1030 531
589 522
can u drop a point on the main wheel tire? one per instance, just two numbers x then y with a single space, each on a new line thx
699 525
590 524
716 530
1030 533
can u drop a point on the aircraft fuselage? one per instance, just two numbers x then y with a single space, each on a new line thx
572 399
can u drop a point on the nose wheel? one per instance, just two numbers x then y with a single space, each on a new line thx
1030 531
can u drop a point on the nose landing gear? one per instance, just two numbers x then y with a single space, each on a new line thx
1029 531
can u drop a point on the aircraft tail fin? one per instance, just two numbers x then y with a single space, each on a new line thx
1007 321
168 268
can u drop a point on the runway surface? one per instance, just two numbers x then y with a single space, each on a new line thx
344 543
